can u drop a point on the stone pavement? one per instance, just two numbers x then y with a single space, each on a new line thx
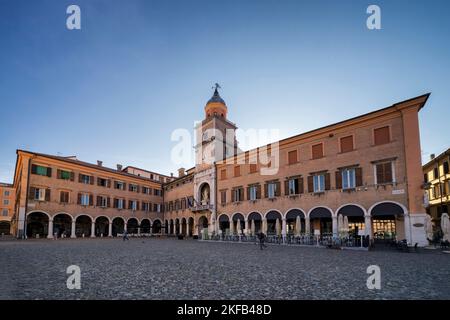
160 268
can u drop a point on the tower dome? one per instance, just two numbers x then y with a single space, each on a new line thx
216 107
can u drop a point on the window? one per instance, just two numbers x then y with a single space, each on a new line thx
348 178
41 170
146 190
437 190
425 178
102 202
119 185
292 157
183 203
119 203
223 197
133 205
83 178
64 175
317 151
384 173
5 202
102 182
5 212
133 188
319 183
347 144
253 168
84 199
253 193
238 194
157 207
157 192
223 174
436 173
237 171
293 186
446 168
6 193
381 135
271 190
39 194
64 197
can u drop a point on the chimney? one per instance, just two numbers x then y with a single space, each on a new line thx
99 163
171 175
180 172
432 156
119 167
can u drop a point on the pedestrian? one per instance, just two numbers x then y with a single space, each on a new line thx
125 235
261 238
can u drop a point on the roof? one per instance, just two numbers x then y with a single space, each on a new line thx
216 97
153 172
90 165
7 185
439 157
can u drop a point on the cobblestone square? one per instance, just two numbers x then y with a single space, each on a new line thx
160 268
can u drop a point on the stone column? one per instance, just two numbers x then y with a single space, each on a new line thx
407 228
50 229
283 229
307 226
110 230
139 231
72 231
334 226
247 231
93 229
187 228
124 226
264 225
368 224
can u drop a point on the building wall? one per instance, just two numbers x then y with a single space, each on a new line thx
7 202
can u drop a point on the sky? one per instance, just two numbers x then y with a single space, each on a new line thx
138 70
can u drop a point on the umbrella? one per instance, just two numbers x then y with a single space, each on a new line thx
428 227
278 227
238 226
346 225
298 226
340 224
231 227
253 227
445 226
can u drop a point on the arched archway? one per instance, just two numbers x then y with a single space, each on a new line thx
5 228
101 226
171 227
145 226
224 223
255 222
183 226
83 226
177 226
156 227
118 226
385 216
271 218
355 217
132 226
37 224
191 226
166 227
291 221
62 225
202 224
204 193
321 219
238 217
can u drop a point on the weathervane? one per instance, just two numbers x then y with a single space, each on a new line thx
216 86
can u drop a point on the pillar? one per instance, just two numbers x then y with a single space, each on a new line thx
407 228
93 229
283 229
110 229
334 226
72 231
50 229
139 231
368 225
187 228
247 231
307 226
264 225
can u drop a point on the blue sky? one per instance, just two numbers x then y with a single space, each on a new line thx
116 89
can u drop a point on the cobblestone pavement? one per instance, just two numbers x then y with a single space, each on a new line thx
174 269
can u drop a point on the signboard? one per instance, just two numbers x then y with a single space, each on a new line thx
418 225
317 232
399 191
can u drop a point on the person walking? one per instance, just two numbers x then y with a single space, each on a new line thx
125 235
261 238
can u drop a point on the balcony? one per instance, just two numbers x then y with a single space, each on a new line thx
201 207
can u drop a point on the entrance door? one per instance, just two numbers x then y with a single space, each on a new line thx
384 229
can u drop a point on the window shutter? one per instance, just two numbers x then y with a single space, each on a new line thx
108 202
108 183
266 190
58 174
72 176
61 196
346 144
248 193
124 186
137 205
99 201
277 188
310 184
233 197
388 172
241 194
91 200
138 188
79 177
300 185
292 157
91 179
129 204
49 172
327 181
286 187
338 179
258 191
79 198
33 168
47 195
32 193
358 177
381 135
115 204
317 151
